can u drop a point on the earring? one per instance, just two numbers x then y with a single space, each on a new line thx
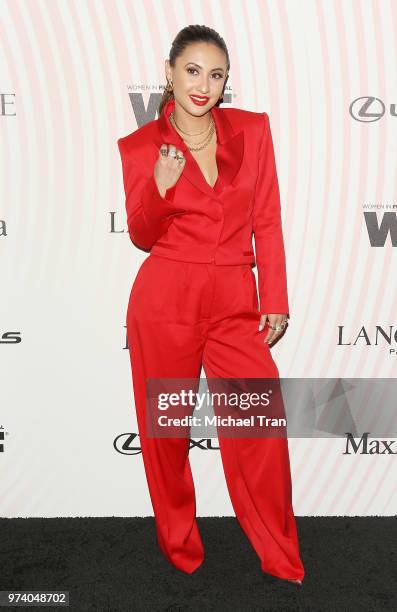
169 85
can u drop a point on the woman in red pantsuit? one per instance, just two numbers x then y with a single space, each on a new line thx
199 181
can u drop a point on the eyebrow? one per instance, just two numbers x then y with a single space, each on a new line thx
198 65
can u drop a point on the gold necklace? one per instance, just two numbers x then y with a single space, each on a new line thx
206 140
205 144
172 118
187 133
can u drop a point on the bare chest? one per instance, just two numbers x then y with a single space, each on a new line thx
206 160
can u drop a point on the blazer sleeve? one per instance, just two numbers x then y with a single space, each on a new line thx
148 213
267 228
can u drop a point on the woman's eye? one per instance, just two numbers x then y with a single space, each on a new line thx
216 74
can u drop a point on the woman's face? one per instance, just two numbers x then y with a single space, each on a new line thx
199 71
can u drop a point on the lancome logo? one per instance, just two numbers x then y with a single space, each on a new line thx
368 109
368 447
113 228
374 337
126 444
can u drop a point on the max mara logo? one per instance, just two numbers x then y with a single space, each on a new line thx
368 447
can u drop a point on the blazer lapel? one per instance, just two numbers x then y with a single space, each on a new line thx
229 151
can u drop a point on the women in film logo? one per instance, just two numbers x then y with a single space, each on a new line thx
379 231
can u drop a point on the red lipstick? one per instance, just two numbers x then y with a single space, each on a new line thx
199 100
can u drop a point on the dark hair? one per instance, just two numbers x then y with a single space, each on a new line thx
188 35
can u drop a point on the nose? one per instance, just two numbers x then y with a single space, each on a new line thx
204 88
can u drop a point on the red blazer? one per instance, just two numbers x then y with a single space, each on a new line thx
197 223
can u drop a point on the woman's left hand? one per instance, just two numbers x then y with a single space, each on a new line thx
275 320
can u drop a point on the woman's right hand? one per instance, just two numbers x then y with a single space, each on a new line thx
167 168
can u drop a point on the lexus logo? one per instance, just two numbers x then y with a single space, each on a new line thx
368 109
127 444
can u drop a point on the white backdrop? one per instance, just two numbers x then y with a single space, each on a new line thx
77 75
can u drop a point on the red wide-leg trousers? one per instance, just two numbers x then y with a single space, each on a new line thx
183 315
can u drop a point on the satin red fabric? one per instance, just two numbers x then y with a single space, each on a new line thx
180 316
197 223
193 303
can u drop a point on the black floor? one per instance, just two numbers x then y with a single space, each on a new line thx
114 564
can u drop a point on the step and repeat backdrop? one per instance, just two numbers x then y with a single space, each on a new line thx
75 77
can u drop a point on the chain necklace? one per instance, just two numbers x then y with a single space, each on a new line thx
187 133
193 145
206 140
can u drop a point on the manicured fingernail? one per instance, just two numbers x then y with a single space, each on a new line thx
261 327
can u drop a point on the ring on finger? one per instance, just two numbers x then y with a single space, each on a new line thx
279 327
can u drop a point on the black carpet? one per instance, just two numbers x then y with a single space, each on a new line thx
114 564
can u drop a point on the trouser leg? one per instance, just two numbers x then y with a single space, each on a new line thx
257 470
165 338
